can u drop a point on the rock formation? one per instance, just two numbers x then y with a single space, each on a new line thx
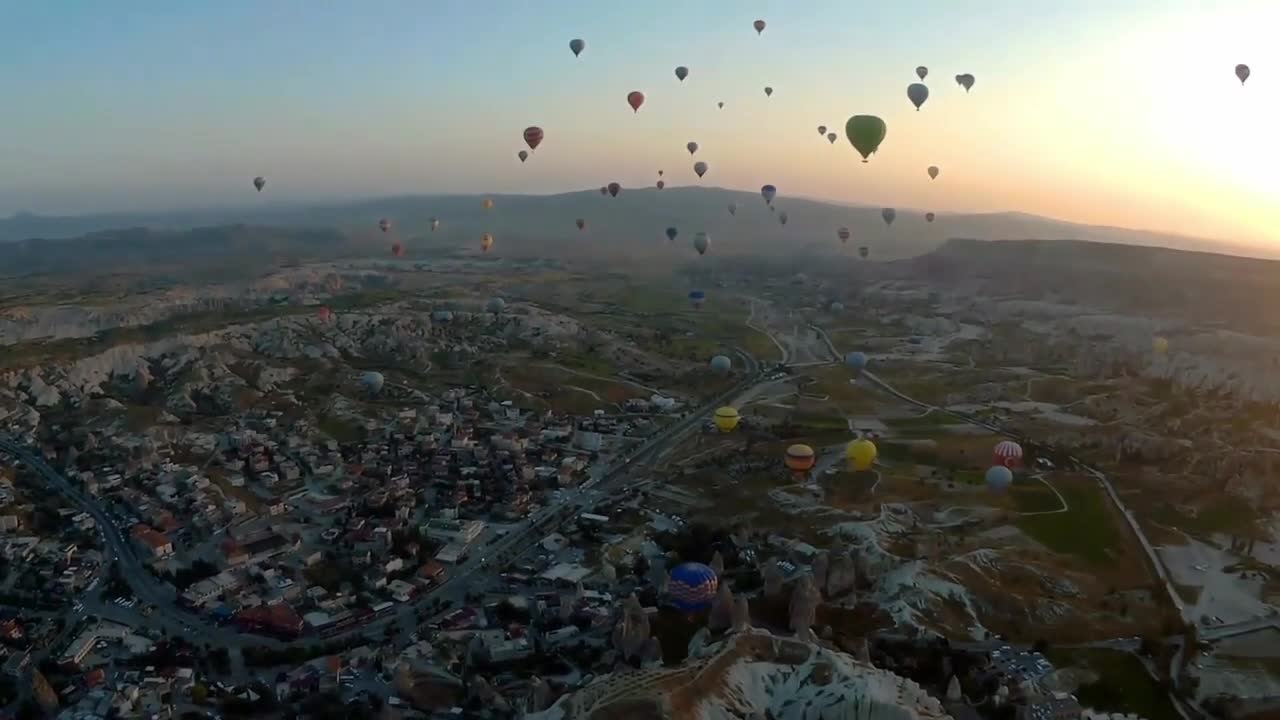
721 616
804 604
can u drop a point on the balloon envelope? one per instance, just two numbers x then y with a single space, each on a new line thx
701 242
800 458
635 99
700 168
768 192
917 93
888 214
495 305
671 233
523 155
726 419
486 242
822 129
1160 345
1242 72
921 72
782 217
614 189
434 224
372 381
697 298
581 223
999 477
692 147
843 233
860 453
259 183
929 216
856 360
733 208
682 72
768 91
831 138
933 172
721 363
865 133
487 204
966 81
533 136
864 251
692 587
384 224
577 45
661 184
1008 453
759 26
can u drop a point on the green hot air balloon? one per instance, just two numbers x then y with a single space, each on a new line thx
865 133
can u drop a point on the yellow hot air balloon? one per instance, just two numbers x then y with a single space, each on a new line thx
1160 345
861 453
800 459
726 419
488 203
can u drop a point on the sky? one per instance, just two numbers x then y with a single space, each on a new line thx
1108 112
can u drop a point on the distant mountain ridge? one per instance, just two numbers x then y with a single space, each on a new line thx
631 225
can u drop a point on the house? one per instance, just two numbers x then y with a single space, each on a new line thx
151 541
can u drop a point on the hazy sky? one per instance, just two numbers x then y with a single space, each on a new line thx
1118 112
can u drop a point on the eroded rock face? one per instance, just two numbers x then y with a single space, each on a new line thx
632 631
721 616
842 577
772 578
804 604
752 675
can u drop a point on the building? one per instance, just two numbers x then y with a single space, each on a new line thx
275 619
1059 707
151 541
453 531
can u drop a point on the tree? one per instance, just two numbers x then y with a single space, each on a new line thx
199 694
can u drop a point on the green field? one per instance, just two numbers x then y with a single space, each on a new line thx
1123 685
1086 530
1033 497
1227 514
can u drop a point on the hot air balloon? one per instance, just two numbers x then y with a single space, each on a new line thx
533 136
581 223
917 93
929 216
372 382
768 192
259 183
523 155
692 587
577 46
933 172
822 130
860 454
1008 453
800 459
697 298
701 242
733 208
700 168
721 363
921 72
434 224
384 224
966 81
831 138
1242 72
692 147
726 419
604 190
682 72
888 214
495 305
782 217
614 189
325 314
768 91
864 251
487 204
865 133
843 234
486 242
999 478
836 308
397 249
856 360
661 184
720 104
759 26
1160 345
635 99
672 233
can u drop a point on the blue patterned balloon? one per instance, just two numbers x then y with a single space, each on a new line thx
692 587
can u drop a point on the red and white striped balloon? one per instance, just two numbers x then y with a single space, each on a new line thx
1008 453
533 136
